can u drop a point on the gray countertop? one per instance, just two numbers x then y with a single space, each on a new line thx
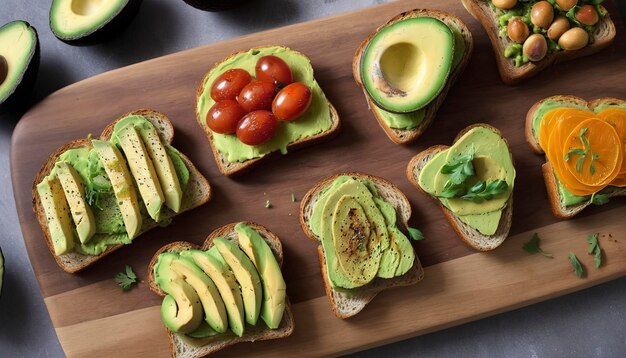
590 323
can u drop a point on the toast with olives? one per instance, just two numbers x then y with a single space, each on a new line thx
233 168
604 35
347 303
405 136
197 193
556 204
186 347
470 236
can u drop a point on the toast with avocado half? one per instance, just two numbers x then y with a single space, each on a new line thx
453 43
358 214
472 180
517 67
93 196
233 281
565 195
319 122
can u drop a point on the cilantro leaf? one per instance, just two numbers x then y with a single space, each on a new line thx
461 168
594 248
125 279
416 234
482 191
578 267
532 247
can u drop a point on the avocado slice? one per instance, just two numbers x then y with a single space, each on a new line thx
74 190
406 64
203 331
19 62
142 169
86 21
214 5
57 214
274 287
213 264
117 171
246 275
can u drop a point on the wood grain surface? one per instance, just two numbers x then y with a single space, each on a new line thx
92 315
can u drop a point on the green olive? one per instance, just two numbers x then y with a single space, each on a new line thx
565 5
504 4
574 39
4 69
542 14
558 28
517 30
587 15
535 47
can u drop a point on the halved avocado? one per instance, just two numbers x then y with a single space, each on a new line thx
214 5
85 21
406 64
19 62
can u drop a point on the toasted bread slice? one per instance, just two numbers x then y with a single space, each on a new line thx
234 168
405 136
472 237
197 193
558 209
347 303
184 347
510 74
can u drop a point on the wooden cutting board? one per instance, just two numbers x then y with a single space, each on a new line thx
93 316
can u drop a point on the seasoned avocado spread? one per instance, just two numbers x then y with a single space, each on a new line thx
491 162
315 120
566 197
359 235
91 198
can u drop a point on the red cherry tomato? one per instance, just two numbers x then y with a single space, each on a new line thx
224 116
229 84
292 101
257 127
273 69
257 95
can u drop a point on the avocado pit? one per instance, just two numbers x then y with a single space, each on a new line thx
4 69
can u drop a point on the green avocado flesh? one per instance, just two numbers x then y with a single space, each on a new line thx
315 120
90 205
492 161
406 64
18 42
359 236
74 19
223 288
566 197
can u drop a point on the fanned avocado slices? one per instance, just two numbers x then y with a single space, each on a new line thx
19 62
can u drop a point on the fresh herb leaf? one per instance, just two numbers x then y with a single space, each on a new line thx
578 267
293 198
125 279
532 247
461 168
451 190
594 248
267 204
481 191
579 163
416 234
599 199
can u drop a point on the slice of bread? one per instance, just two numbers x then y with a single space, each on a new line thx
235 168
183 347
510 74
405 136
347 303
472 237
198 190
558 209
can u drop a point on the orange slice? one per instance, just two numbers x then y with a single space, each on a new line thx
549 120
617 118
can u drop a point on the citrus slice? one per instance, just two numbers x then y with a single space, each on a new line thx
617 118
550 119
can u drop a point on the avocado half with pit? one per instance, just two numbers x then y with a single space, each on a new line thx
87 21
19 62
406 64
214 5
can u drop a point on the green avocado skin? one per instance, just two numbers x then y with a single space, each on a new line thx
18 83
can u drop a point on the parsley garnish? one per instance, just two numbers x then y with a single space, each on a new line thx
293 198
461 168
416 234
125 279
594 248
583 153
532 247
267 204
599 199
578 268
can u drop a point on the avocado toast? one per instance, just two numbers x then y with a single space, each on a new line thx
403 128
275 310
473 183
88 203
372 211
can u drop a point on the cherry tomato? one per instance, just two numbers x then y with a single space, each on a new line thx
257 127
292 101
224 116
257 95
273 69
229 84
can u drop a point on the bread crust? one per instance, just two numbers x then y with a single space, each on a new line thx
406 136
235 169
88 260
510 74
